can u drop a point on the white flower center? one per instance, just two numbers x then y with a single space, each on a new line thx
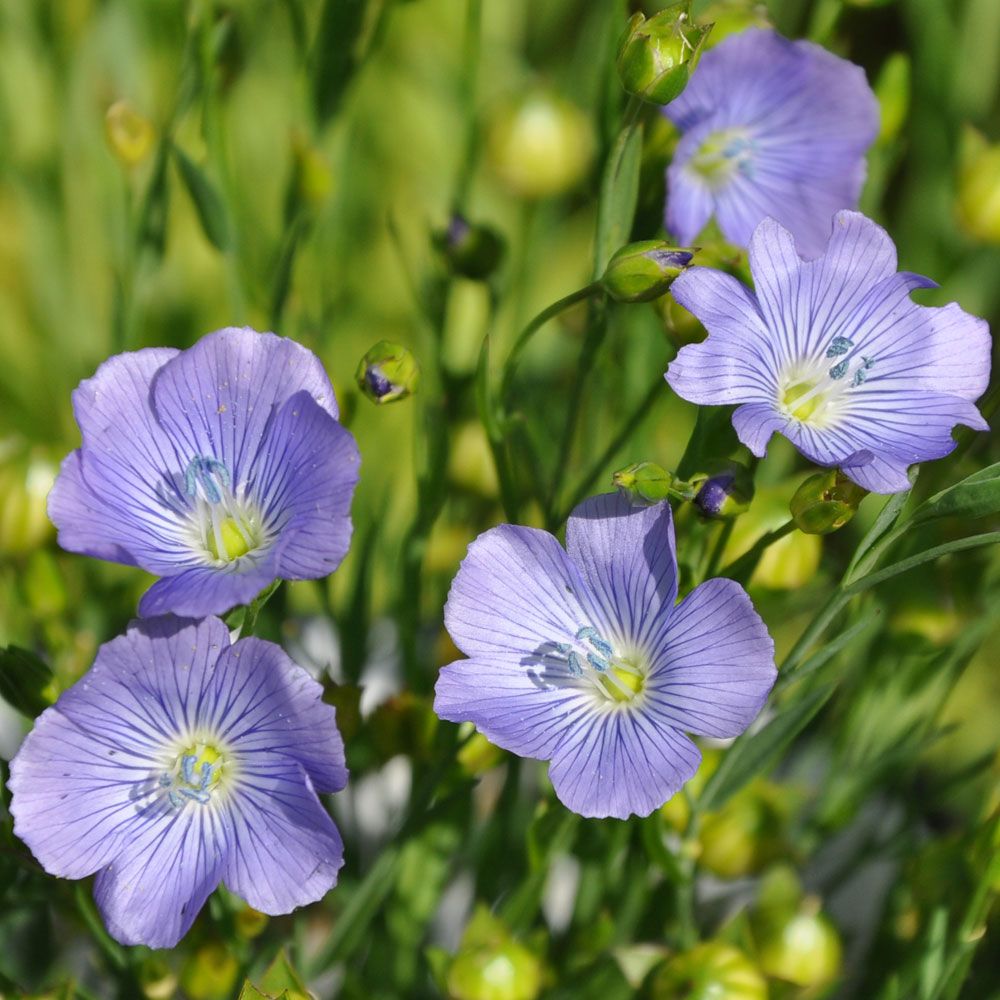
816 391
617 679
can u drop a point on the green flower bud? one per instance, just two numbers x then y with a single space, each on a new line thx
644 484
640 272
210 973
540 144
129 134
472 251
709 971
388 372
979 188
312 177
491 965
825 502
723 494
656 56
803 948
478 755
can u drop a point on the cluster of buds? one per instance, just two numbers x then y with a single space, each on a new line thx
656 56
723 493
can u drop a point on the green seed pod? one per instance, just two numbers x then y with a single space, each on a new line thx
644 484
640 272
656 56
825 502
388 372
709 971
802 948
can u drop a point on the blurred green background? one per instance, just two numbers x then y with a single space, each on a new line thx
169 168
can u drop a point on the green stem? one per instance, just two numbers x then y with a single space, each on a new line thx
114 953
534 326
590 478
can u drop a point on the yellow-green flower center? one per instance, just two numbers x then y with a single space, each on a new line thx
623 683
229 538
196 771
801 400
722 154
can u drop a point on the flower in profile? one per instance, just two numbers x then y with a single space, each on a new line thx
220 469
177 762
772 128
833 354
580 656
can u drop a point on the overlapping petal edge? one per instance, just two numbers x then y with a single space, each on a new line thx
581 657
833 354
102 783
219 469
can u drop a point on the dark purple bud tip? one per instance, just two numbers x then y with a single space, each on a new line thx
671 258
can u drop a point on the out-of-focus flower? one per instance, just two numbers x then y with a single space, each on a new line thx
177 762
656 56
492 965
580 657
388 372
540 144
709 971
801 947
825 502
220 469
472 250
640 272
771 128
833 354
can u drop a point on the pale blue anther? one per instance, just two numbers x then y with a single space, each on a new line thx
591 635
574 664
741 149
598 663
839 370
862 373
839 346
207 473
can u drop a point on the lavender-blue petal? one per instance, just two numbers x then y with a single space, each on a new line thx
217 398
715 668
209 590
305 476
116 499
284 850
266 706
152 891
620 764
628 558
739 359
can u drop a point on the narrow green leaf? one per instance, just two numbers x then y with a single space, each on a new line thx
928 555
23 680
207 201
713 437
867 551
152 226
335 54
753 753
977 495
619 195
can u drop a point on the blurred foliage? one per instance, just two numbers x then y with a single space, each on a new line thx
169 167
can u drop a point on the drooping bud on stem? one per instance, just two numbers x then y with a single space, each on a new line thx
640 272
388 372
725 493
471 250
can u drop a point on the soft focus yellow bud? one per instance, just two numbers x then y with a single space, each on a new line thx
156 979
746 833
25 481
250 923
210 973
709 971
491 965
313 176
129 134
802 948
682 327
540 144
677 809
893 92
979 188
470 464
478 755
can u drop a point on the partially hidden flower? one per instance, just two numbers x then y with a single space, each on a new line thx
579 656
834 355
179 761
220 469
772 128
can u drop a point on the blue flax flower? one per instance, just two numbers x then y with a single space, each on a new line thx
177 762
770 128
219 469
833 354
580 656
